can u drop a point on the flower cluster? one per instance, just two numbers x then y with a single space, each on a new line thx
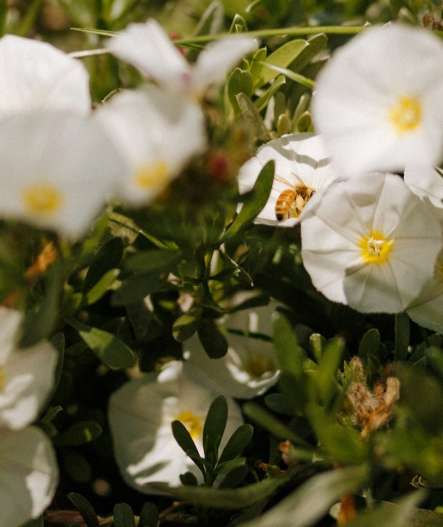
28 468
371 238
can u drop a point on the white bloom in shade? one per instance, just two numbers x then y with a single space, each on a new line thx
250 366
140 417
371 243
156 135
426 310
302 168
57 169
426 182
378 102
26 375
148 48
28 475
34 75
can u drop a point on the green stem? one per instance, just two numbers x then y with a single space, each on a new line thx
287 31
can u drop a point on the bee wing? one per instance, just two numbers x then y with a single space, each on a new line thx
283 180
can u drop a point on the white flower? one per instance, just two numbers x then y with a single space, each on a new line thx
302 168
426 182
140 417
148 48
156 134
57 169
26 375
35 75
378 102
371 243
426 310
28 475
250 366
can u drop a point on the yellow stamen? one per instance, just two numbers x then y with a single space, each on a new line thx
42 199
405 115
375 248
152 177
192 423
258 365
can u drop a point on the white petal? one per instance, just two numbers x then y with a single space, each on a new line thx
148 48
34 75
69 169
10 321
28 475
426 182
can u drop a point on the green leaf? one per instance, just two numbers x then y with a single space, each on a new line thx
264 99
227 466
402 333
280 58
79 433
260 194
317 342
256 66
123 515
290 355
368 350
296 77
310 502
108 257
84 508
234 477
278 429
186 443
108 348
397 515
240 81
148 515
38 522
237 443
100 287
238 24
137 287
316 44
227 498
252 117
186 325
213 429
188 478
212 340
76 466
327 371
153 260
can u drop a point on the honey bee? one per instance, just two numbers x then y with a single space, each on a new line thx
291 201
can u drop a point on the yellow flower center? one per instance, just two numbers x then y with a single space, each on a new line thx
375 248
405 116
258 365
42 199
152 177
192 423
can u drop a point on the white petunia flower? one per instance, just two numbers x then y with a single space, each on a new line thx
250 366
426 310
371 243
156 135
28 475
302 168
26 375
35 75
140 417
57 169
148 48
378 102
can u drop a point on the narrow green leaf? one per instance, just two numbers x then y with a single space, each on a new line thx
214 428
256 66
280 58
296 77
84 508
108 257
227 466
212 340
123 515
79 433
327 371
108 348
316 43
153 260
402 512
100 287
317 343
76 466
234 477
237 443
250 209
311 501
186 443
252 117
264 99
137 287
289 353
238 24
402 333
278 429
148 515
